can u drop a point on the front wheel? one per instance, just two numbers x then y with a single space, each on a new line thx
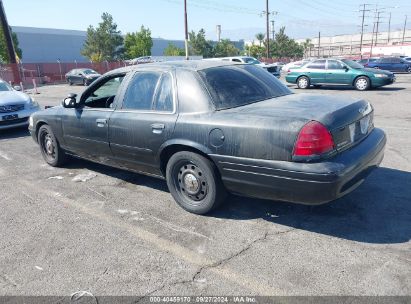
194 182
362 83
50 148
303 82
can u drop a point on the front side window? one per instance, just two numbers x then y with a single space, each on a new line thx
104 95
318 65
335 65
140 92
238 85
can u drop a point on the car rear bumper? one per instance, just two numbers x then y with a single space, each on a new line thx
305 183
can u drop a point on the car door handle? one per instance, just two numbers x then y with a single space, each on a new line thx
101 123
158 128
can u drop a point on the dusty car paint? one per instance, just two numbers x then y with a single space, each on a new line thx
251 145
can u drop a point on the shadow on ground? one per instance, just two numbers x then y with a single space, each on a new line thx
379 211
14 133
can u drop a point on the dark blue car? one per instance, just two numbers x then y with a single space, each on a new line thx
393 64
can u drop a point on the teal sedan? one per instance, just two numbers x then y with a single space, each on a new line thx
339 72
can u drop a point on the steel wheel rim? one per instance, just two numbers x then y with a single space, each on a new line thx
362 84
190 182
48 146
303 82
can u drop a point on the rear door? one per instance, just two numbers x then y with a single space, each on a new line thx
337 73
144 121
316 71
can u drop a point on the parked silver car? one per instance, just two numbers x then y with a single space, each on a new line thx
15 107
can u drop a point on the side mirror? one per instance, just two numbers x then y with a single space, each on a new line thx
346 68
70 101
17 88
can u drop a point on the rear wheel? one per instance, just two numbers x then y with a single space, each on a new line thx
194 182
409 69
50 148
362 83
85 82
303 82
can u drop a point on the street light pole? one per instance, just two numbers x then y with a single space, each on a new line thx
186 28
268 28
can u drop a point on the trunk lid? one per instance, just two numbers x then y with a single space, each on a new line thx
348 119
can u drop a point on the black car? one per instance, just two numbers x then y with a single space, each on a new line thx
209 126
81 76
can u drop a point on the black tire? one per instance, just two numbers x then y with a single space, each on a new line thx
50 148
85 82
409 69
206 191
69 81
362 83
303 82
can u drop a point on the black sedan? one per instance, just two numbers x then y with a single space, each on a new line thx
209 127
81 76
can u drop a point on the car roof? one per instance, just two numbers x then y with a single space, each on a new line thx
194 65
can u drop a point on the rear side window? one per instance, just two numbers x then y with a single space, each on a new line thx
233 86
140 91
164 96
318 64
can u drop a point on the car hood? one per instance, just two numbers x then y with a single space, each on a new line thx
13 97
332 111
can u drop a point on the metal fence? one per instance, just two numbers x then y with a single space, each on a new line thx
51 72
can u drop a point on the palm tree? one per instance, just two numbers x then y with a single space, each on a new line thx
260 37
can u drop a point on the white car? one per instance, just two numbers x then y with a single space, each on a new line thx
271 68
15 107
295 64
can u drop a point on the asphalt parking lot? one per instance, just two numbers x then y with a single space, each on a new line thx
87 227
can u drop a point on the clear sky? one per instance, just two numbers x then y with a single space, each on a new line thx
240 19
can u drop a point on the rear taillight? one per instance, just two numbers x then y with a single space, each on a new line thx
289 71
313 139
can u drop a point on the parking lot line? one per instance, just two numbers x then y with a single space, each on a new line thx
204 263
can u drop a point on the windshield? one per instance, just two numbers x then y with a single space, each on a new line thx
251 60
4 87
234 86
352 64
89 71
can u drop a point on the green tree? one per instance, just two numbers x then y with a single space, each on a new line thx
260 37
225 48
199 45
172 50
285 47
138 44
4 55
102 43
307 45
256 51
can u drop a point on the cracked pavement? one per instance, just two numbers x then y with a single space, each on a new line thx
87 227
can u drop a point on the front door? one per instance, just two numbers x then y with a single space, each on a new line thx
144 121
337 73
85 129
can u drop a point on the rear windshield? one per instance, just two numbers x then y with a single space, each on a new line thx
234 86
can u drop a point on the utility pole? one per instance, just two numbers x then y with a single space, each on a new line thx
362 26
377 26
268 28
319 43
9 43
272 29
186 28
403 32
373 30
389 29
